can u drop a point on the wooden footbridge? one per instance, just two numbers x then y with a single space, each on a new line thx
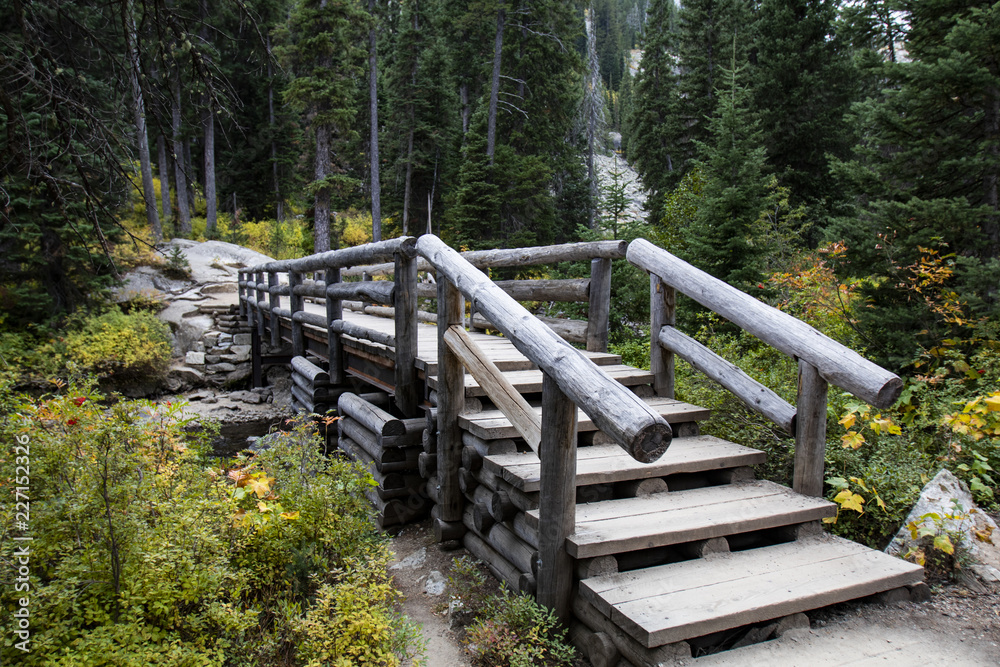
576 478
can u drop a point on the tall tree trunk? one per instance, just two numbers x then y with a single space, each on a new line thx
278 204
164 168
208 124
409 178
463 92
189 169
376 185
139 114
180 177
990 178
321 201
594 102
491 127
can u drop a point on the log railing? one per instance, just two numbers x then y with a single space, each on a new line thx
570 380
820 359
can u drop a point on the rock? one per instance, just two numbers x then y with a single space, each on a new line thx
946 495
236 358
242 339
240 349
435 584
210 399
198 395
225 338
223 367
195 358
219 349
186 375
210 339
414 560
237 395
213 358
238 375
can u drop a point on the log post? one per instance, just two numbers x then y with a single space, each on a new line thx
451 402
810 432
598 315
405 293
662 302
275 301
334 312
240 279
260 297
298 338
557 499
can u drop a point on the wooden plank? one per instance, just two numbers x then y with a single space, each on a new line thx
673 602
604 464
406 336
362 333
618 526
557 500
662 312
497 387
754 395
492 424
530 381
837 364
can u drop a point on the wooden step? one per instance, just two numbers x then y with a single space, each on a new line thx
602 464
493 425
629 524
504 355
671 603
530 381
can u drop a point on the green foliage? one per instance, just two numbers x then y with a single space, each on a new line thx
515 631
144 551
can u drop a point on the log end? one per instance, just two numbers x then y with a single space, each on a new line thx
651 442
889 393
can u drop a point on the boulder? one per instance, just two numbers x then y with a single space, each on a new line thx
195 358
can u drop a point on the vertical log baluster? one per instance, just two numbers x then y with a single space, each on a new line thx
259 296
599 312
405 305
557 499
298 338
334 312
451 401
240 279
275 300
810 431
662 307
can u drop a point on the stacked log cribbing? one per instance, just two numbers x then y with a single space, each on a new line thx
389 448
311 389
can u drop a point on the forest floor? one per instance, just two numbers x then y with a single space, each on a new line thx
956 628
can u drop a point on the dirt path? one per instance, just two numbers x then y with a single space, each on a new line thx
956 628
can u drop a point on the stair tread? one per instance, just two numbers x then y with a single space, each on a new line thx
670 603
530 381
493 425
602 464
628 524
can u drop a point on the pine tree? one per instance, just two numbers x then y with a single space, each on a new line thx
803 84
735 187
927 174
654 127
321 45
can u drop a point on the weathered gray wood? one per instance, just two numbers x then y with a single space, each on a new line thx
311 288
573 331
467 482
557 499
427 465
637 488
571 290
754 395
501 506
662 312
306 401
616 410
810 434
524 502
363 333
316 375
405 304
445 531
372 443
482 520
312 319
599 311
633 651
523 530
261 297
275 302
240 282
298 342
429 441
514 549
334 313
318 392
375 291
451 402
488 447
388 311
354 256
837 364
596 567
471 459
372 417
501 568
503 394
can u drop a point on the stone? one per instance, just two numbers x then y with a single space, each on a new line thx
251 398
198 395
946 495
238 375
219 349
199 346
436 584
242 339
223 367
414 560
188 375
210 399
240 349
213 358
237 395
224 338
235 358
195 358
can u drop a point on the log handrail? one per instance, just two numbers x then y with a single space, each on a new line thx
640 431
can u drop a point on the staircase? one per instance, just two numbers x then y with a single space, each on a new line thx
671 556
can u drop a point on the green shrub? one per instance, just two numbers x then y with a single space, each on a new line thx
124 347
515 631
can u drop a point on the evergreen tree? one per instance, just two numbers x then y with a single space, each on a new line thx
321 45
927 174
735 187
803 85
654 126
